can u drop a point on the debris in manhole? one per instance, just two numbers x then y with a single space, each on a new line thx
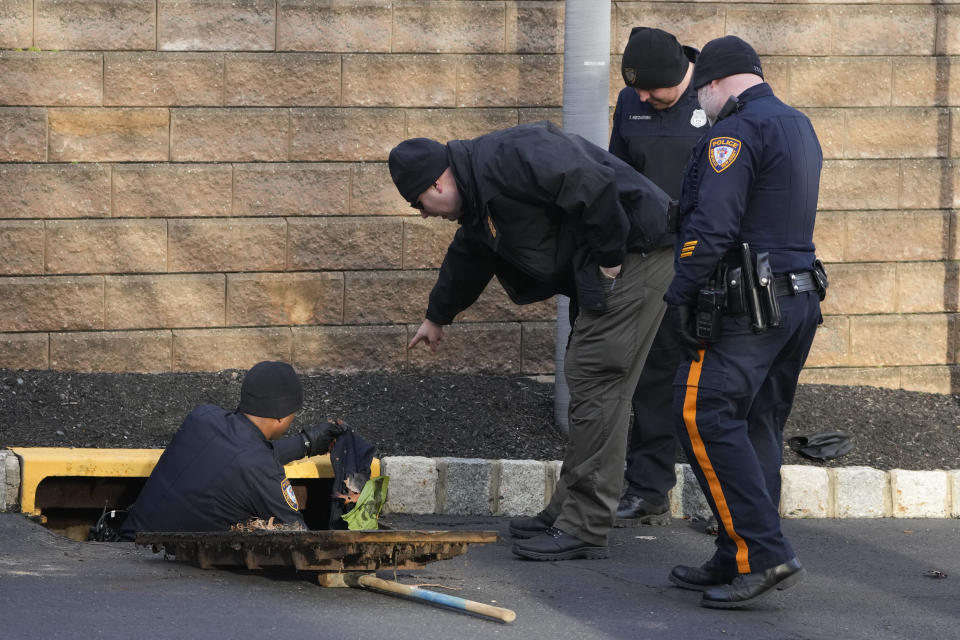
258 524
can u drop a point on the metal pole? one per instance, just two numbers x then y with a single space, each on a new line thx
586 107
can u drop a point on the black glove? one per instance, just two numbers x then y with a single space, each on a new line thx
680 318
318 438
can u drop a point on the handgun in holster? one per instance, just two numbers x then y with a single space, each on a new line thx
710 305
751 292
768 292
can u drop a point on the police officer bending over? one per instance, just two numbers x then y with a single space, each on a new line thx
547 212
226 467
746 301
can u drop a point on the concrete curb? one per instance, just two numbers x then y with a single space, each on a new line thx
473 486
465 486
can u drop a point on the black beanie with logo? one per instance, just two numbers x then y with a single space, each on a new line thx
653 59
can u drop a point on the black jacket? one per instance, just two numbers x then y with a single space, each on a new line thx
541 210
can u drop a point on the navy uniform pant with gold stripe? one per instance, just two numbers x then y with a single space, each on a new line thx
729 410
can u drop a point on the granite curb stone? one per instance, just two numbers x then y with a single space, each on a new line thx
475 486
9 480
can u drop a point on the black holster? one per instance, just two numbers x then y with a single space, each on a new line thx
820 277
769 306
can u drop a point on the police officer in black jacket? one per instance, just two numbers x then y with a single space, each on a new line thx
745 301
547 212
226 467
656 123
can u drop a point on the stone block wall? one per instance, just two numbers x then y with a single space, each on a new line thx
200 184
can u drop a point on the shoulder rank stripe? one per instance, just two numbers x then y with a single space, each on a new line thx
722 152
687 249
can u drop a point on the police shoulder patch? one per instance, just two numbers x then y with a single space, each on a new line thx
722 152
288 494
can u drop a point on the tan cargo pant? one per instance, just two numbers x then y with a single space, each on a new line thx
602 365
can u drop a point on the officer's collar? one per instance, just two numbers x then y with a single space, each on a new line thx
734 105
756 91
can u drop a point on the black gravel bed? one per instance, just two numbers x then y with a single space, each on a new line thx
435 413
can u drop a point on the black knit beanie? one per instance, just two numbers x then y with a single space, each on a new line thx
271 390
653 59
416 164
722 57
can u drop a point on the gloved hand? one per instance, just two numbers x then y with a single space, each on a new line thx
680 318
318 438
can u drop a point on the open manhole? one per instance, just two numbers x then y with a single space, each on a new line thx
68 490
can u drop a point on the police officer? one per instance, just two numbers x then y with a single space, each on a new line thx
226 467
546 212
747 216
656 123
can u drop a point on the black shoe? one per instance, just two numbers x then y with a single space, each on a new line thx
632 506
554 544
530 526
697 578
747 588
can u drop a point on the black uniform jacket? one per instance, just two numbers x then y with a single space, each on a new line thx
754 178
657 142
541 210
218 470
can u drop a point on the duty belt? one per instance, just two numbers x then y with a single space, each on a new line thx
791 284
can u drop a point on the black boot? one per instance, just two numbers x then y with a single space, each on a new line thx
530 526
633 506
747 588
554 544
697 578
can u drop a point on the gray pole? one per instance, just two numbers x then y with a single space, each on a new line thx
586 105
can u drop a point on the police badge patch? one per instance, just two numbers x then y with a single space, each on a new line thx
630 75
698 118
288 494
722 152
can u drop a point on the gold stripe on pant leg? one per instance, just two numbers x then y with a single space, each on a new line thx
700 451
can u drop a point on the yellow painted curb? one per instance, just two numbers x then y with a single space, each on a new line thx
39 463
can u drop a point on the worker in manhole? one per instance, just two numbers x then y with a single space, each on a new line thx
548 212
225 467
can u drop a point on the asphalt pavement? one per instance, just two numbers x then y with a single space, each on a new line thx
866 579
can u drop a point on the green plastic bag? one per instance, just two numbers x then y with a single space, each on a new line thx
365 513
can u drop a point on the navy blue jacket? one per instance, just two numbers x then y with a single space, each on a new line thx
754 177
217 471
657 142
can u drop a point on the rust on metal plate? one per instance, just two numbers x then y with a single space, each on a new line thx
316 550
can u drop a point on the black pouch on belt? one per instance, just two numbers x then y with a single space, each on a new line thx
820 276
768 292
736 301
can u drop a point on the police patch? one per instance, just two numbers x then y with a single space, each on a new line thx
722 152
630 75
288 494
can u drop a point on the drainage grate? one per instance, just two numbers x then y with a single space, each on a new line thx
315 550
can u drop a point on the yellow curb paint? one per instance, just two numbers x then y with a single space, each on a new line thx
39 463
